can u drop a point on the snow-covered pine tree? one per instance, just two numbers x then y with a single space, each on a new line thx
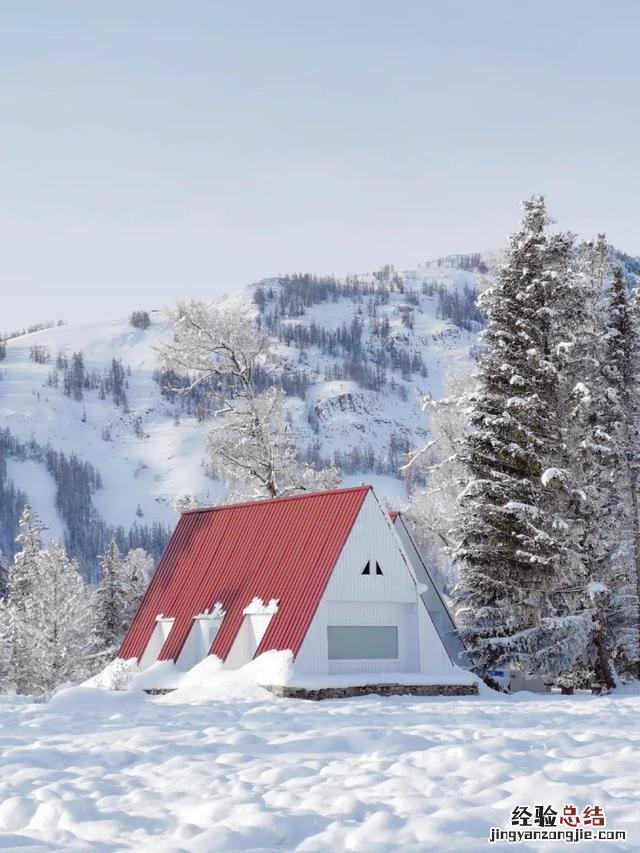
137 569
4 578
110 601
512 542
252 446
621 415
6 645
23 581
600 434
580 488
24 568
57 623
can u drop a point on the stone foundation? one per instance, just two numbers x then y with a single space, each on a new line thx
379 689
359 690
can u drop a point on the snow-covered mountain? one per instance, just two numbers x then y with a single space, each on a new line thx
90 438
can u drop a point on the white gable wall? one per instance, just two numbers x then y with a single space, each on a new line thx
352 598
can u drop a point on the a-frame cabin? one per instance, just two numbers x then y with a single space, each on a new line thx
324 575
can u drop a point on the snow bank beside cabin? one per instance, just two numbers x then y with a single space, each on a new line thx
209 681
206 680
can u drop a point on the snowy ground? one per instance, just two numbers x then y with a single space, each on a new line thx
99 771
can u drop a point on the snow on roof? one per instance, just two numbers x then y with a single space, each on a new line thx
284 549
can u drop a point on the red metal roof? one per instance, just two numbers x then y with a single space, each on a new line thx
283 548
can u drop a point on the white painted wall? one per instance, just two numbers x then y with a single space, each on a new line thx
401 615
201 636
254 625
352 598
156 641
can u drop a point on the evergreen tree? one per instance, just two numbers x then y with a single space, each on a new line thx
55 623
23 585
4 578
139 319
583 487
6 646
137 570
46 616
23 572
601 436
622 375
110 601
513 542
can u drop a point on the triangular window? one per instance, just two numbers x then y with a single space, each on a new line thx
367 568
378 569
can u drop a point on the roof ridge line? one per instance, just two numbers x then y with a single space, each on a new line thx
271 501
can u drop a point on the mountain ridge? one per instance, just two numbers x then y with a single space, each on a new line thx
92 435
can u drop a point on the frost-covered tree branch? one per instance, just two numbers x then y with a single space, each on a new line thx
251 446
432 509
213 343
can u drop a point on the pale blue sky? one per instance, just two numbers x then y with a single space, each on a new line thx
152 150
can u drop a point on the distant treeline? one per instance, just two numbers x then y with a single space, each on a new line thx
469 263
76 481
27 330
362 460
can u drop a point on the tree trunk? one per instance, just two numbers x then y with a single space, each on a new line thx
271 487
604 661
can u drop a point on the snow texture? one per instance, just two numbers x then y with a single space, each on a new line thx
551 474
93 770
207 679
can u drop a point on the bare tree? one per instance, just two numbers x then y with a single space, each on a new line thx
251 446
432 509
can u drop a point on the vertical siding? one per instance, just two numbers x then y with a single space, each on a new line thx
357 599
402 615
372 540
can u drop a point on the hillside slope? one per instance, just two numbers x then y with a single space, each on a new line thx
91 439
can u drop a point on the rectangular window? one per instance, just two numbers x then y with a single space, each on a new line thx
363 642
